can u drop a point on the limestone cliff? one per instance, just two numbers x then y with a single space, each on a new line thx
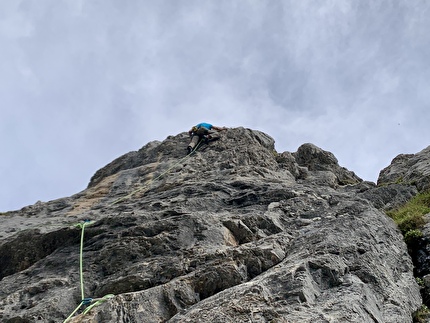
235 232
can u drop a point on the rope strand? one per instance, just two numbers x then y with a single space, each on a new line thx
86 301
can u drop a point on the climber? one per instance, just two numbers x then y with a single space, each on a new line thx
202 131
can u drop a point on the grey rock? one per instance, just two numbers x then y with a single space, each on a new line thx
324 163
390 196
406 176
411 169
232 233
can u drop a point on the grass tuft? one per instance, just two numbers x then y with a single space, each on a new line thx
421 315
410 217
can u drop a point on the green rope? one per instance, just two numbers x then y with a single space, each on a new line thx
99 301
82 225
73 313
85 301
158 177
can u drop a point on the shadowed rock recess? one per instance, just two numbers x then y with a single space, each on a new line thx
236 232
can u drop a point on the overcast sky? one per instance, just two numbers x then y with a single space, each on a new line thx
83 81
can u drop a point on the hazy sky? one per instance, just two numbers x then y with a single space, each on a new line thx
84 81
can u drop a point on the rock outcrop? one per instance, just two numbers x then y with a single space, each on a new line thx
236 232
412 172
409 169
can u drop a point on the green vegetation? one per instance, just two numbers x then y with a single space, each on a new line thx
410 217
412 235
420 282
422 314
410 220
399 180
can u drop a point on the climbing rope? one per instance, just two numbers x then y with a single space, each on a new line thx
88 300
158 177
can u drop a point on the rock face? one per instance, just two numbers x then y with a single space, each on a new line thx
413 172
410 169
235 232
